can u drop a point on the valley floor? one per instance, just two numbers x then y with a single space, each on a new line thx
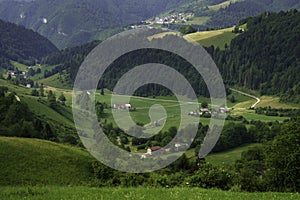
87 193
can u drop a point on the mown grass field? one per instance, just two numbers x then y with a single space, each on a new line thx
198 20
274 102
198 36
222 5
251 115
53 81
217 38
20 66
87 193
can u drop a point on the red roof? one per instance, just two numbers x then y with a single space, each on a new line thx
155 148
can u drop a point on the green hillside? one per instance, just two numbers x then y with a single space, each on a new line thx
39 162
41 117
216 14
253 59
64 24
228 157
265 57
23 45
42 156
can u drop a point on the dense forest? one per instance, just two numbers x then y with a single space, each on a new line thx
232 14
68 59
22 45
266 57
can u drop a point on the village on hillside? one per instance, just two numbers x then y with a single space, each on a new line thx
175 18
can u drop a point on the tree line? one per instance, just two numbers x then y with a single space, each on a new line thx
272 165
22 45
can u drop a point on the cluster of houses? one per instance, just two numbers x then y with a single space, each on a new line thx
159 150
16 73
203 111
175 18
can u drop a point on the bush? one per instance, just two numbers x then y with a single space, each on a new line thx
209 176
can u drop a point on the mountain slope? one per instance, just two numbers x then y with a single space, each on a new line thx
38 162
38 116
74 22
20 44
226 13
232 14
266 56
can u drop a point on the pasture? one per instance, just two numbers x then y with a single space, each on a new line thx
88 193
217 38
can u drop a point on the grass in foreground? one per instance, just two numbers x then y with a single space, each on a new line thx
85 193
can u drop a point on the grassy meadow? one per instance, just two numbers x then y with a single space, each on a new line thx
88 193
228 157
222 5
218 38
198 20
26 161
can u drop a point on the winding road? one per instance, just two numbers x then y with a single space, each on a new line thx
249 95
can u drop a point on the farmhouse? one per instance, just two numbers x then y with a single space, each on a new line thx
204 110
11 72
145 155
151 150
122 106
224 110
15 73
180 146
195 113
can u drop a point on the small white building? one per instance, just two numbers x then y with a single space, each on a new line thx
180 146
128 106
122 106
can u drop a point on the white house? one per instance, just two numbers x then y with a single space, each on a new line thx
180 146
122 106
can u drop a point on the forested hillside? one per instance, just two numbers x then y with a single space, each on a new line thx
266 57
216 14
232 14
75 22
22 45
69 60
